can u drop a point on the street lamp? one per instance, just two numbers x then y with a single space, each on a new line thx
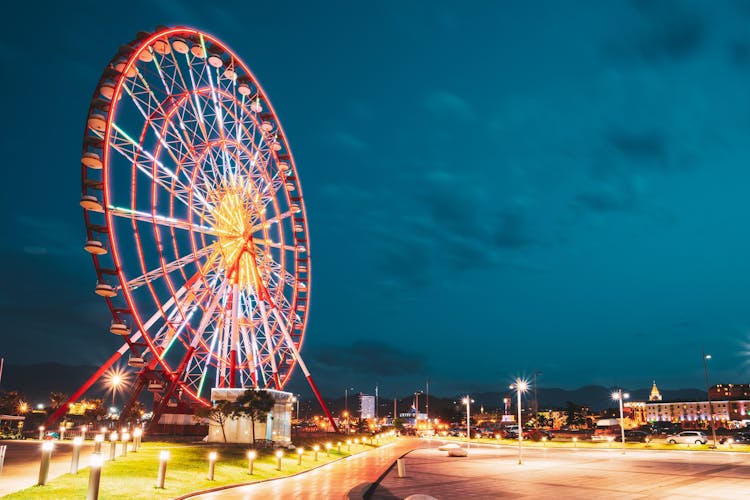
520 386
467 401
618 395
416 408
115 382
708 391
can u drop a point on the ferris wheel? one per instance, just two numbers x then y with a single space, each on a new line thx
195 220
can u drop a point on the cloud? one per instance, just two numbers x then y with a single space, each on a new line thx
370 356
445 104
664 30
345 140
639 145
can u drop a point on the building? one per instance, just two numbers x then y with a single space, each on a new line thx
731 408
730 391
366 406
277 427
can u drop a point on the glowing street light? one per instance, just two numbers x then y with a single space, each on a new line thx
328 449
708 391
520 386
279 454
300 451
316 449
251 456
618 395
467 401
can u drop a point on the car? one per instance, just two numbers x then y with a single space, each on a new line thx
738 438
637 436
687 437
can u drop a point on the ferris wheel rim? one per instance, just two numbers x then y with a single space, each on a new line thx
107 151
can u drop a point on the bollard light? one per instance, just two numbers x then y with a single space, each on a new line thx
544 441
112 445
348 445
41 432
211 465
328 449
300 451
137 433
125 439
62 432
251 456
316 449
44 464
103 430
339 446
95 476
98 439
77 442
575 442
83 432
163 459
279 454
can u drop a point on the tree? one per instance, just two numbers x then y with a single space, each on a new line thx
57 399
10 402
134 413
219 413
398 424
254 404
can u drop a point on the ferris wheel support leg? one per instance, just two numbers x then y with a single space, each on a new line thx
322 403
140 384
233 368
62 409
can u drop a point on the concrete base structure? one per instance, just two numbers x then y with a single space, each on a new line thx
276 428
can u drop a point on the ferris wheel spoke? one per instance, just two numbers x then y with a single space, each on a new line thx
162 220
130 150
166 269
272 220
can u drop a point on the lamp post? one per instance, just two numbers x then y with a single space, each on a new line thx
618 395
467 401
279 454
708 391
520 386
212 465
77 442
416 408
300 451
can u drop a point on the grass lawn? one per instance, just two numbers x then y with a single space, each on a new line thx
602 445
134 476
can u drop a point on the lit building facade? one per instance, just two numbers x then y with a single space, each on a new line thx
366 406
730 391
696 413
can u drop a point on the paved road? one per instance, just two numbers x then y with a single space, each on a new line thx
334 480
493 472
21 469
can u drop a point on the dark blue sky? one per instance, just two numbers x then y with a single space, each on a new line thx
492 187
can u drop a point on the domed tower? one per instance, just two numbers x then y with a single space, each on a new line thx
655 394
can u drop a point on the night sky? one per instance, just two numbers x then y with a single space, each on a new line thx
492 187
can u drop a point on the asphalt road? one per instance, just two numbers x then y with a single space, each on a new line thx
22 458
494 472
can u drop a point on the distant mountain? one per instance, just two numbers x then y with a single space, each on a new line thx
38 380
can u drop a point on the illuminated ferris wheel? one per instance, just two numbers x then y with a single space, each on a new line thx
195 220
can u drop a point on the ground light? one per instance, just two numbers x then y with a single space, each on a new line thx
44 464
211 465
279 454
251 456
98 439
84 429
163 459
328 449
112 445
300 451
316 449
95 476
520 386
77 442
137 433
125 439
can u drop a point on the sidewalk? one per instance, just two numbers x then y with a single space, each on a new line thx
346 478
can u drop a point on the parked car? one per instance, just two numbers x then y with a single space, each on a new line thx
687 437
738 438
637 436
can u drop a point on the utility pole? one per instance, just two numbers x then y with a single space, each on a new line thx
536 402
427 403
376 401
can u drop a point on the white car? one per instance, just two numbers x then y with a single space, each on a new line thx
688 437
